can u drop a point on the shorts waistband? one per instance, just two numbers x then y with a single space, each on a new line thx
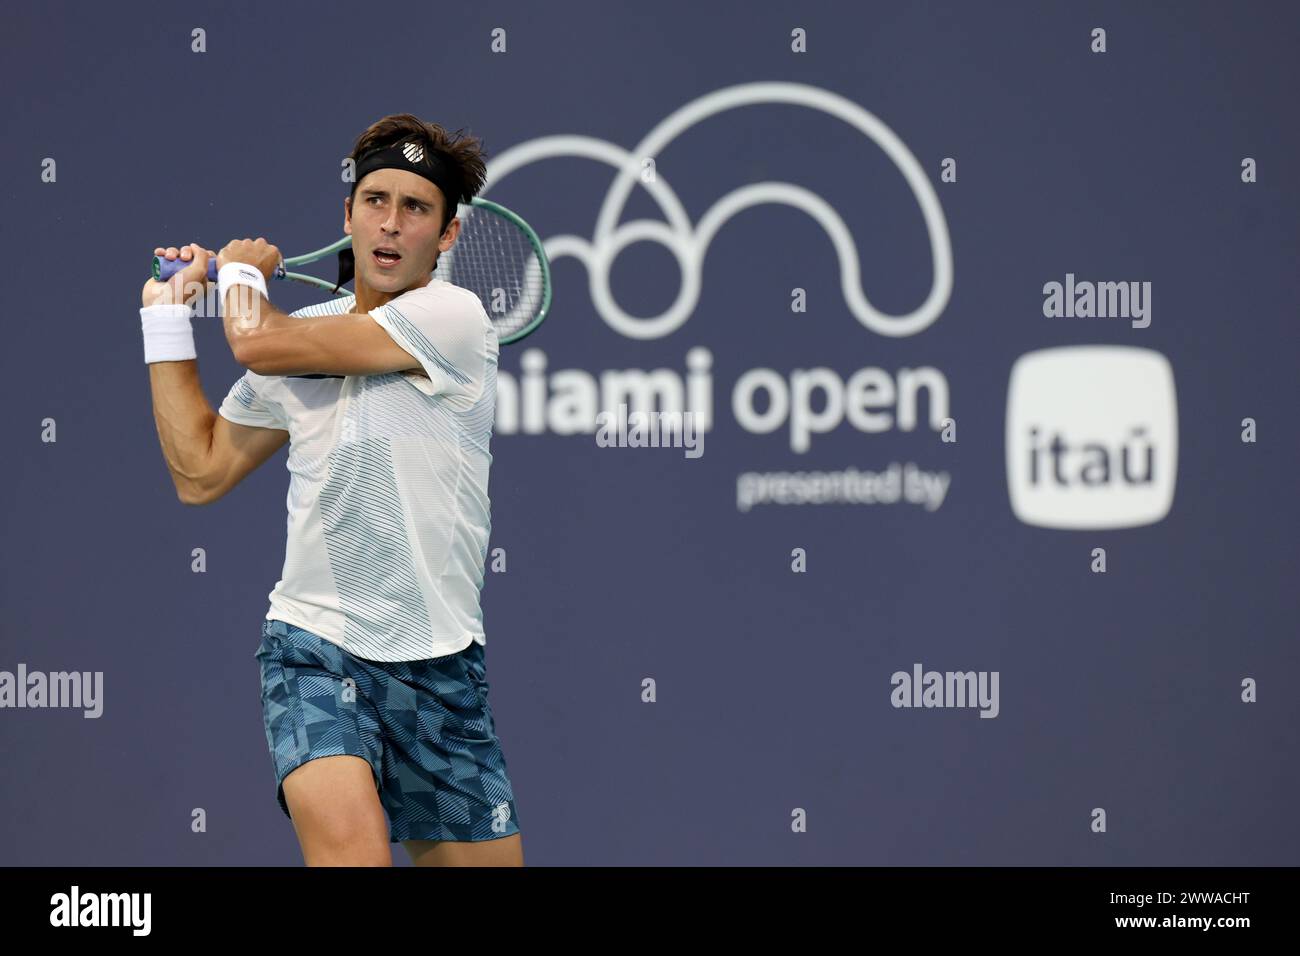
276 628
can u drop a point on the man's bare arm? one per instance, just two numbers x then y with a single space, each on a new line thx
184 420
206 454
267 341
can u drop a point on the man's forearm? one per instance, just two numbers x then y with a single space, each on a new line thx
185 420
245 315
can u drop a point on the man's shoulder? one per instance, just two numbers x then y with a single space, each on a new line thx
454 313
441 292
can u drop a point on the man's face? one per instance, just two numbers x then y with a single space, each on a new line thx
397 211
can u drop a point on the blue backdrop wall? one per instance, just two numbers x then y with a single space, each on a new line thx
910 464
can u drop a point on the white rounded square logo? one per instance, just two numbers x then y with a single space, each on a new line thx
1092 437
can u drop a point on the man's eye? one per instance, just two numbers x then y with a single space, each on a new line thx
414 205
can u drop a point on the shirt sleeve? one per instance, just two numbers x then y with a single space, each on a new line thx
448 332
245 405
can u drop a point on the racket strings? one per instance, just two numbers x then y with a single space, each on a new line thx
495 260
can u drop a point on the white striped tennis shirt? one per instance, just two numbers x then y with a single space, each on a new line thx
388 503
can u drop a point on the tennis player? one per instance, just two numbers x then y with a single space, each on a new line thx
374 690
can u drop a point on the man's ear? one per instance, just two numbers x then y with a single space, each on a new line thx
449 234
347 215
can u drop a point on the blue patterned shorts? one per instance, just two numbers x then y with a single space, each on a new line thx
424 727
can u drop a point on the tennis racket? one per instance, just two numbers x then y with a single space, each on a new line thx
497 256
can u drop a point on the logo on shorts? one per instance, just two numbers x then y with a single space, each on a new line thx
1092 437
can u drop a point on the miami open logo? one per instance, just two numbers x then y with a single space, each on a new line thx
689 241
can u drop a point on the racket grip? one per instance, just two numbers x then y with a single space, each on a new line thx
164 268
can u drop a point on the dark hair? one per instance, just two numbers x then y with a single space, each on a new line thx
464 152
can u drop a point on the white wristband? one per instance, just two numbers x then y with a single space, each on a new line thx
168 335
240 273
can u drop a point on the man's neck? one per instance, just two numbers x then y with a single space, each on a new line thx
369 299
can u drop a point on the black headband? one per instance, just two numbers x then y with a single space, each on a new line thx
415 158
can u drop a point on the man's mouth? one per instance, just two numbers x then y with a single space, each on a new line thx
387 257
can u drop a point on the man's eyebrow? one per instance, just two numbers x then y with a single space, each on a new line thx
384 192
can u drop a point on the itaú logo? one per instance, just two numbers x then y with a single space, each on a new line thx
689 241
1092 437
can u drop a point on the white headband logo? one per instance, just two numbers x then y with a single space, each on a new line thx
413 152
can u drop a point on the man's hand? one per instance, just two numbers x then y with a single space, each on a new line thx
254 252
185 286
